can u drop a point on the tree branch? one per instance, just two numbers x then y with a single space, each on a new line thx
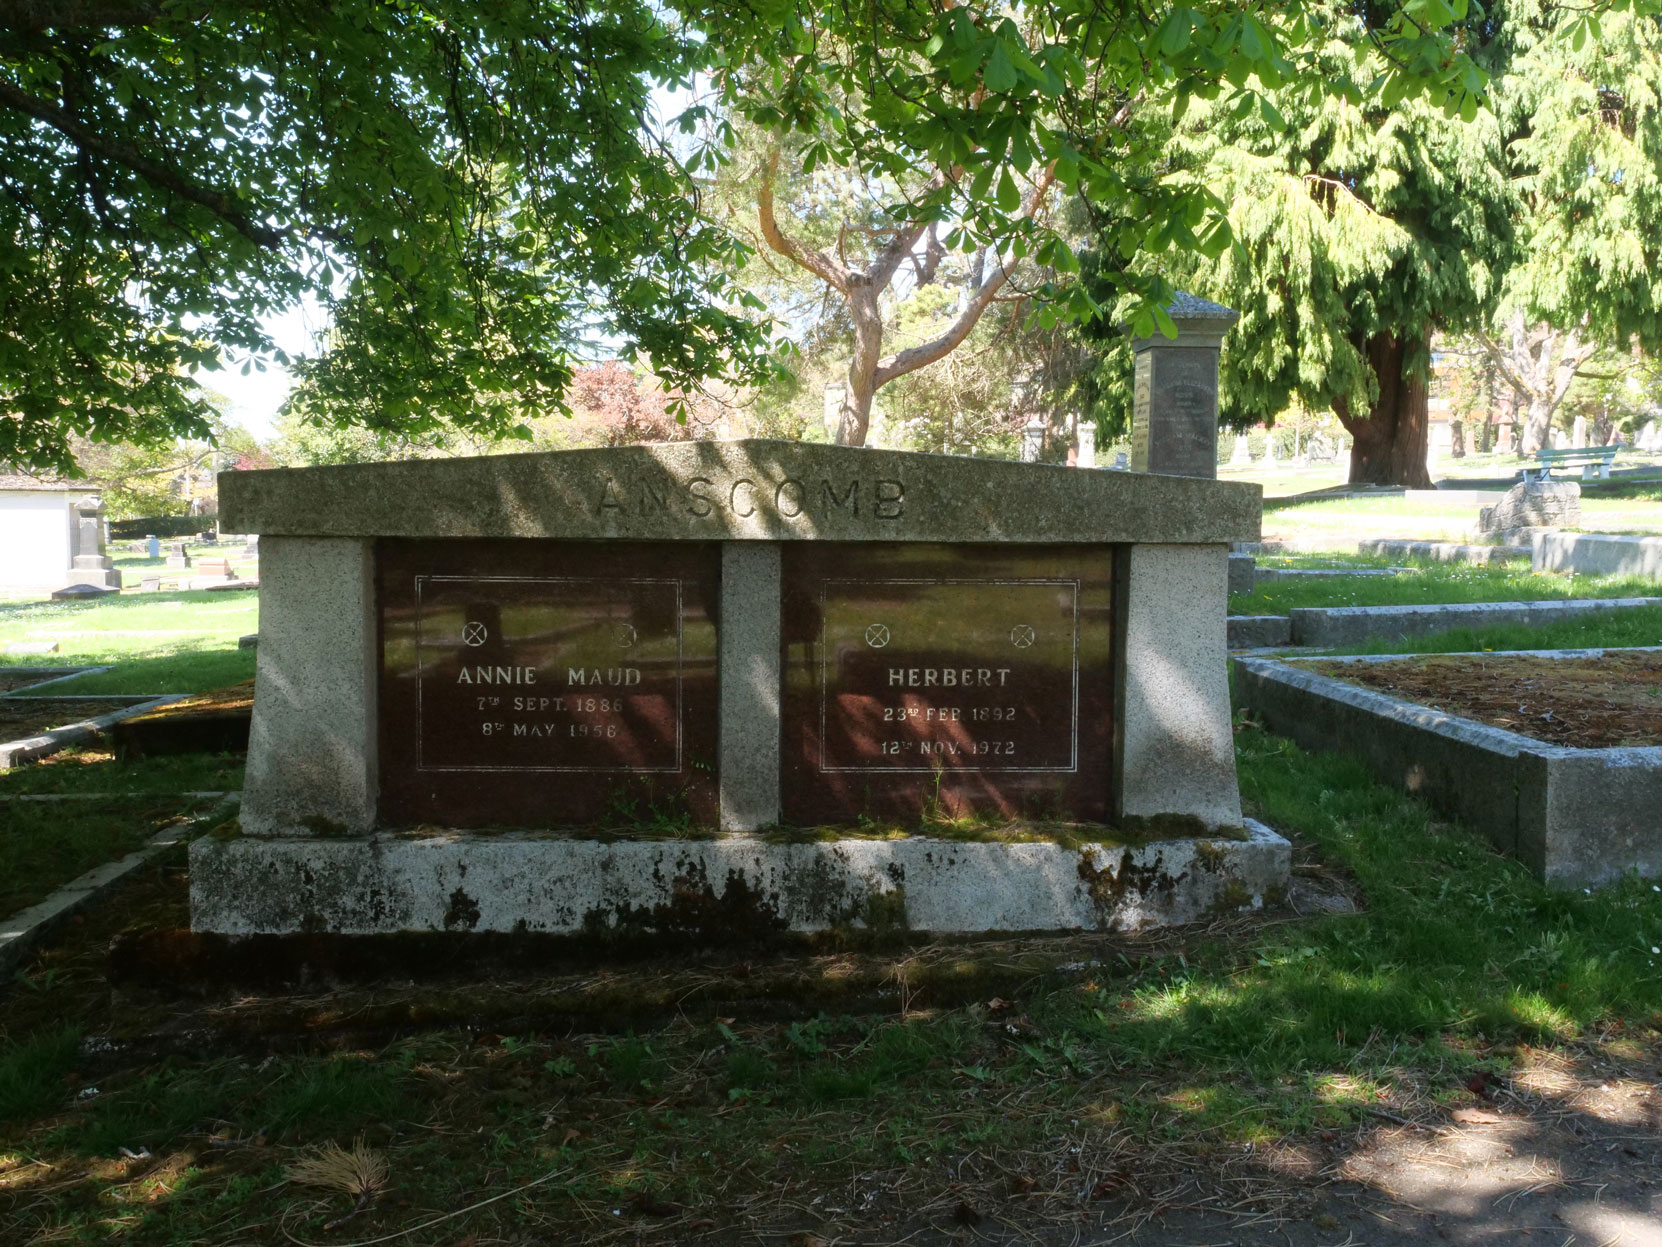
913 358
1503 365
35 16
905 238
833 272
222 204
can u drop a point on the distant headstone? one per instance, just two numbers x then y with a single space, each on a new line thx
1174 413
91 566
1121 461
1032 440
32 647
1534 504
1578 433
1503 439
251 641
1243 451
1559 441
208 539
178 557
1647 436
150 584
152 547
1272 449
1086 457
216 567
252 547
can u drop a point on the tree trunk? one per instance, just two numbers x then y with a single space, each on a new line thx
1390 441
855 421
1538 424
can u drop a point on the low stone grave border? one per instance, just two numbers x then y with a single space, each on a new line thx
1323 627
32 748
534 882
1443 551
1576 817
1599 554
23 932
50 675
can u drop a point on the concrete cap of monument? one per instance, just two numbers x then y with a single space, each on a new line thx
749 490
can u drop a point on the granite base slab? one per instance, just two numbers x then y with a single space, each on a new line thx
465 882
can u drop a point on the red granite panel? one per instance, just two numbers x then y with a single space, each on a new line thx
947 679
547 683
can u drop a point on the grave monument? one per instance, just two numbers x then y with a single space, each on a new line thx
655 688
743 685
91 566
1174 413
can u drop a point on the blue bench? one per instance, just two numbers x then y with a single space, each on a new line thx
1586 459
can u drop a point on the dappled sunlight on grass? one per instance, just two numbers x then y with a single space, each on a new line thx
761 1079
1541 1018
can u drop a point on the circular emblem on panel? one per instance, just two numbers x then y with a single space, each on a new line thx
877 636
475 633
1022 635
624 634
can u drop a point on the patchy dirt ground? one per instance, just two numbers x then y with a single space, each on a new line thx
1589 703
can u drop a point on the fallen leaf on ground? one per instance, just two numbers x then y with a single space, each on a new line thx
1477 1116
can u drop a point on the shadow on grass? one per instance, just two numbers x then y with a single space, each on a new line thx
191 671
1103 1075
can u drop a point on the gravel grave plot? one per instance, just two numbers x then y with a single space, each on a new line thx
1591 702
23 718
234 699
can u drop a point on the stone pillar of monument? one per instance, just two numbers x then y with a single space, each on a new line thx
90 565
1174 415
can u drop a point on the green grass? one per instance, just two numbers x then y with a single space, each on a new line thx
194 671
130 626
158 642
1459 957
1436 583
91 770
1640 625
48 843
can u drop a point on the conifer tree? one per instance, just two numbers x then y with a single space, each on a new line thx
1364 227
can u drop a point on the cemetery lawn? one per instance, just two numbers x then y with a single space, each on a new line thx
1434 584
46 843
156 643
848 1095
1338 523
